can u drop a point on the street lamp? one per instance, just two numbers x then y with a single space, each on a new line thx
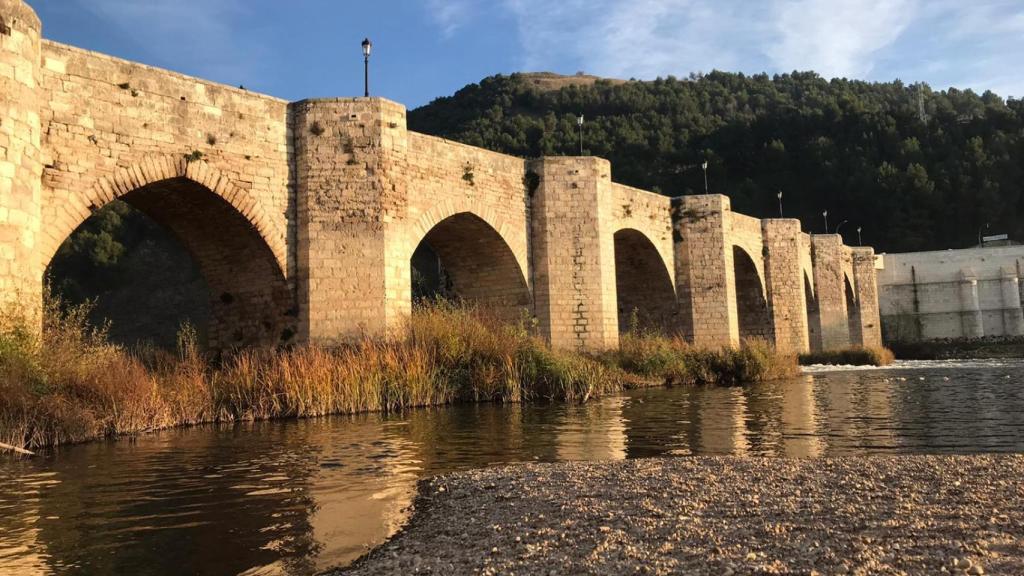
367 46
859 242
980 242
841 225
780 203
579 121
825 216
704 166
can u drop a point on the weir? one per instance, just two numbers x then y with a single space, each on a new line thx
303 216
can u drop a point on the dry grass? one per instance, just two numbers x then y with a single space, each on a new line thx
854 355
676 362
69 383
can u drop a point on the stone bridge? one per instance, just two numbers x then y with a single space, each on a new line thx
303 216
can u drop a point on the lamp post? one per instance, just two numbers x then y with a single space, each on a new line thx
985 227
825 216
579 120
859 242
780 203
367 46
704 166
841 225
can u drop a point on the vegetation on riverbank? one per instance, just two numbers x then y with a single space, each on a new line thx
70 384
852 356
676 363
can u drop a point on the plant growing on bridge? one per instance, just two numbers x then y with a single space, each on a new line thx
193 156
316 129
467 174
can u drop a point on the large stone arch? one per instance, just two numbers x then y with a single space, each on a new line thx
813 315
643 284
238 250
62 217
852 309
513 234
752 313
475 252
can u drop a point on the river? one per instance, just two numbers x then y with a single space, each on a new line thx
297 497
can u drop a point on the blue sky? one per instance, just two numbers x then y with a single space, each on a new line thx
429 48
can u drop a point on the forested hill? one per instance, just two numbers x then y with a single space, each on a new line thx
916 168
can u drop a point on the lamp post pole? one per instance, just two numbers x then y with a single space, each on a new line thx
980 228
825 216
859 242
704 166
780 203
367 46
841 225
579 120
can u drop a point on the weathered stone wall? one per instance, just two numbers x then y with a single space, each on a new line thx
951 293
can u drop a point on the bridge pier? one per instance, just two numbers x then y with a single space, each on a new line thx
705 273
785 284
830 286
867 321
351 198
574 253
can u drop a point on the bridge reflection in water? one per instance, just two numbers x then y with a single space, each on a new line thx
295 497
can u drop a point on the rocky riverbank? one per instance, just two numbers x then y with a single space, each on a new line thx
718 515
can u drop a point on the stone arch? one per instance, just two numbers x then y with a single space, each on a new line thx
478 261
754 251
643 284
813 315
852 310
151 170
751 303
512 234
234 244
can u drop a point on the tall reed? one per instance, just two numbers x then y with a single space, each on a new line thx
68 383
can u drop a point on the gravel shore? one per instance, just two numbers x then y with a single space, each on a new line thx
718 515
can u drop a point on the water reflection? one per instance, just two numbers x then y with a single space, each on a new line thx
299 497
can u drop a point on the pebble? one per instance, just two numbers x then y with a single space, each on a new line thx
718 515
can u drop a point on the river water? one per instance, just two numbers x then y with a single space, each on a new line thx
297 497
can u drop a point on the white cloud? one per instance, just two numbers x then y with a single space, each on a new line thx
193 35
836 38
641 38
450 15
943 42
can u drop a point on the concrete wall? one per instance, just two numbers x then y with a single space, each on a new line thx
303 217
966 293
